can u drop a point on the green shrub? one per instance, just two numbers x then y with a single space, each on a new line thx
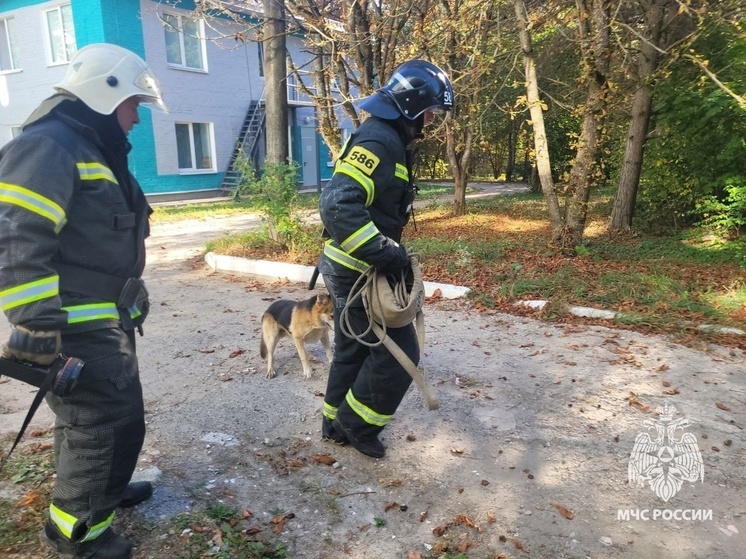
274 193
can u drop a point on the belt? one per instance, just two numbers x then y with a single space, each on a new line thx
105 287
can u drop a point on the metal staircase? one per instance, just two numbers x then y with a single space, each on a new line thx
247 143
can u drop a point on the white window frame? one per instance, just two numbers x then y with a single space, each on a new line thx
15 131
168 28
14 64
193 170
65 58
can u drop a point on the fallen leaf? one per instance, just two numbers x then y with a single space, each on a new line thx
207 350
414 555
323 459
423 516
463 547
227 492
246 513
388 506
465 520
671 391
457 450
279 522
439 548
29 498
518 545
237 353
439 530
39 432
567 513
491 518
722 406
296 463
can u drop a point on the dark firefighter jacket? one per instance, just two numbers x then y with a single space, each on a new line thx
69 206
368 201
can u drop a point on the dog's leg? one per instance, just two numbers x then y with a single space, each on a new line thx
325 342
307 370
269 343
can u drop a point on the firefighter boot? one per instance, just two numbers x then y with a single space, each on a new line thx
109 545
328 433
136 493
371 447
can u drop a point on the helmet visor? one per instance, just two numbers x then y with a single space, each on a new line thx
150 94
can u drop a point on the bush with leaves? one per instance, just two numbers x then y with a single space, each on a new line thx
274 192
694 161
726 215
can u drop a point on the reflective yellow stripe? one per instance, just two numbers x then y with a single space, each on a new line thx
30 292
341 257
359 237
92 311
367 414
365 182
329 411
95 171
64 522
29 200
98 529
134 312
401 172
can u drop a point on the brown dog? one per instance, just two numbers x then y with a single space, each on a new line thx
304 321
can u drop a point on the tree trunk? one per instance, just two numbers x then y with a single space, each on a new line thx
593 19
629 178
537 118
459 168
511 150
276 82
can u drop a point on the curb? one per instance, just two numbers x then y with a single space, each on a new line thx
590 312
283 271
275 271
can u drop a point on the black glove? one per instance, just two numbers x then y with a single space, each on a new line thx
37 347
396 264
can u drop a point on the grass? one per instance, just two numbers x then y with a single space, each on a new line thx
501 250
28 472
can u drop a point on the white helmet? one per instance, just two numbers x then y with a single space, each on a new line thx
103 75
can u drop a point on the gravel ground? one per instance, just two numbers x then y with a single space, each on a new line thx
527 456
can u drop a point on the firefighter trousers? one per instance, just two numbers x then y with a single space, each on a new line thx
366 384
98 434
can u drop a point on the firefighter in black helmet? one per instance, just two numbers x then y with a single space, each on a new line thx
364 209
73 223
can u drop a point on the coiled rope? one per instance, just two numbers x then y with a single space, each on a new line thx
392 305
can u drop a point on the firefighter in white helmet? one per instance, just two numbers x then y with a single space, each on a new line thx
73 223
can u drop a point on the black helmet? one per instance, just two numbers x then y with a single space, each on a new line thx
415 87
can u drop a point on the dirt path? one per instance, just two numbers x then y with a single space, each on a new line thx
527 456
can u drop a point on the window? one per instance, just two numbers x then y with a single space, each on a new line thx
8 45
184 45
194 146
61 34
15 131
